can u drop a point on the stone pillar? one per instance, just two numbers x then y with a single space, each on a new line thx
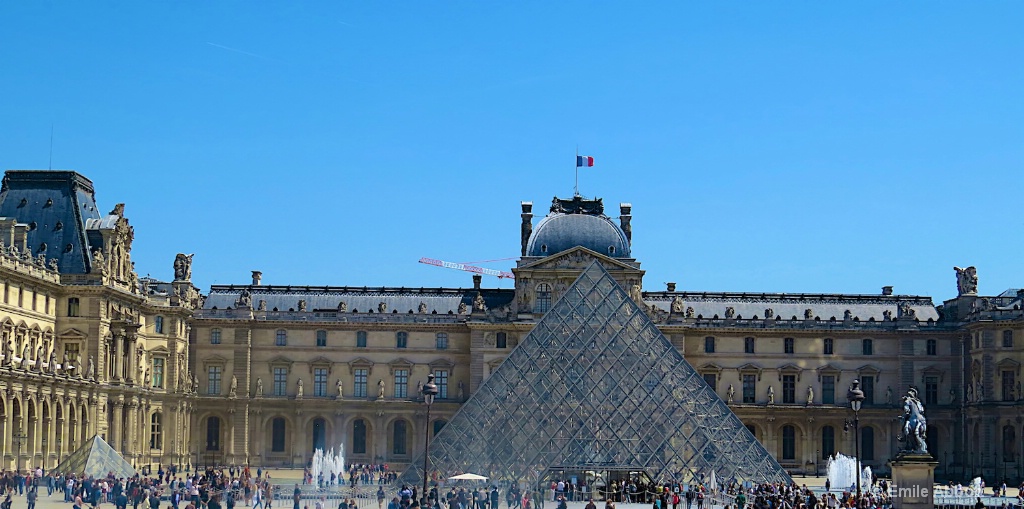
913 481
117 356
116 434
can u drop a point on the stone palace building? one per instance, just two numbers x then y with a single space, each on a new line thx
264 374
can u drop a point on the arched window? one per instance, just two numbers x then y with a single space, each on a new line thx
828 346
501 340
359 436
441 340
277 434
319 433
868 346
321 338
281 338
543 298
72 306
158 325
867 443
155 434
214 336
438 424
399 438
213 433
1009 443
361 339
788 442
828 442
401 340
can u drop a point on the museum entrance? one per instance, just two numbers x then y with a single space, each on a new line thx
615 484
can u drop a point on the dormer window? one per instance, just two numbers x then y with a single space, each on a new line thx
611 250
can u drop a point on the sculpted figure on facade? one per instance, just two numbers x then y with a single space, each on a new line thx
730 312
689 312
382 307
422 308
952 396
810 395
677 304
478 303
906 311
262 306
887 314
636 294
52 364
462 390
808 314
769 313
342 307
90 373
1020 395
847 315
183 267
888 395
966 280
462 308
302 305
7 349
245 299
729 394
771 395
78 366
298 390
259 387
25 352
99 262
380 388
146 380
340 386
233 389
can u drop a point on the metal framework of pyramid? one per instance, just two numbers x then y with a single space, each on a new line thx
596 386
97 459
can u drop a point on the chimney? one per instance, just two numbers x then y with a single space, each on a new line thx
886 290
257 276
625 215
670 287
476 281
527 228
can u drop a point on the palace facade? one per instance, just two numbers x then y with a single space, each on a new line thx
264 374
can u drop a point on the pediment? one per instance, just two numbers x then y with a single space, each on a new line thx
400 363
790 369
710 368
868 369
1009 364
442 363
578 257
214 360
829 369
72 334
750 368
932 371
359 362
320 362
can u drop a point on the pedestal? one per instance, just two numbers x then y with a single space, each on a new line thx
913 481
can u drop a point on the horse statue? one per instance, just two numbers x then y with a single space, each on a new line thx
915 426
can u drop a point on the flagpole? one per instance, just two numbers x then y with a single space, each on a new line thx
576 188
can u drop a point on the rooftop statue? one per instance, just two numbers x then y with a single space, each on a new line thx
966 280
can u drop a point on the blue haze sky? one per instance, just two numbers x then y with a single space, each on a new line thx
765 146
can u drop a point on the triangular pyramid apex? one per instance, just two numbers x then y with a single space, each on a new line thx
548 405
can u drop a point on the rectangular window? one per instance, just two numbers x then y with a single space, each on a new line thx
828 390
158 326
71 351
321 338
748 345
1007 339
281 338
749 388
213 377
709 344
214 336
280 381
789 389
441 340
401 383
788 345
867 384
401 340
359 387
712 380
931 346
361 339
441 380
931 390
500 340
868 347
72 305
158 372
828 346
320 382
1009 381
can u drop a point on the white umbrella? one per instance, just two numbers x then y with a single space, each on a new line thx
467 477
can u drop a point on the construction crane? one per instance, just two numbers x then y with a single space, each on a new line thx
468 268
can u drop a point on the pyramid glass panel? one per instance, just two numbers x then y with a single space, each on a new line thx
596 386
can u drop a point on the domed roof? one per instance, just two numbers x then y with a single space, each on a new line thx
559 232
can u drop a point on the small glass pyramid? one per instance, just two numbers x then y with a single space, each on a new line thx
97 459
596 386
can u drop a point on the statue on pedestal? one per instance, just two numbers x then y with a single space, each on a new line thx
729 394
341 389
771 395
966 281
91 372
380 389
914 425
298 390
233 389
810 395
259 387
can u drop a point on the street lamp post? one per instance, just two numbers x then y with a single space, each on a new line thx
429 391
19 439
856 398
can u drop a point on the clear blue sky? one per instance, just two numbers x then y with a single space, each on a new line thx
765 146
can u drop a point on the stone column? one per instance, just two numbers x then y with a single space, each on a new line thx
116 434
6 445
117 356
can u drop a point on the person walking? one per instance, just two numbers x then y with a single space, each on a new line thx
31 497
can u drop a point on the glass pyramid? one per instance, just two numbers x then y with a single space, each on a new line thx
96 458
596 386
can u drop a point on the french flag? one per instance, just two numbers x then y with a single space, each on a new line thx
584 161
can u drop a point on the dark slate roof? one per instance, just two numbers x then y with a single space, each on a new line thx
55 205
559 232
786 306
357 299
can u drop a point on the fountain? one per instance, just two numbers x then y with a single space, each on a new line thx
328 463
842 473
